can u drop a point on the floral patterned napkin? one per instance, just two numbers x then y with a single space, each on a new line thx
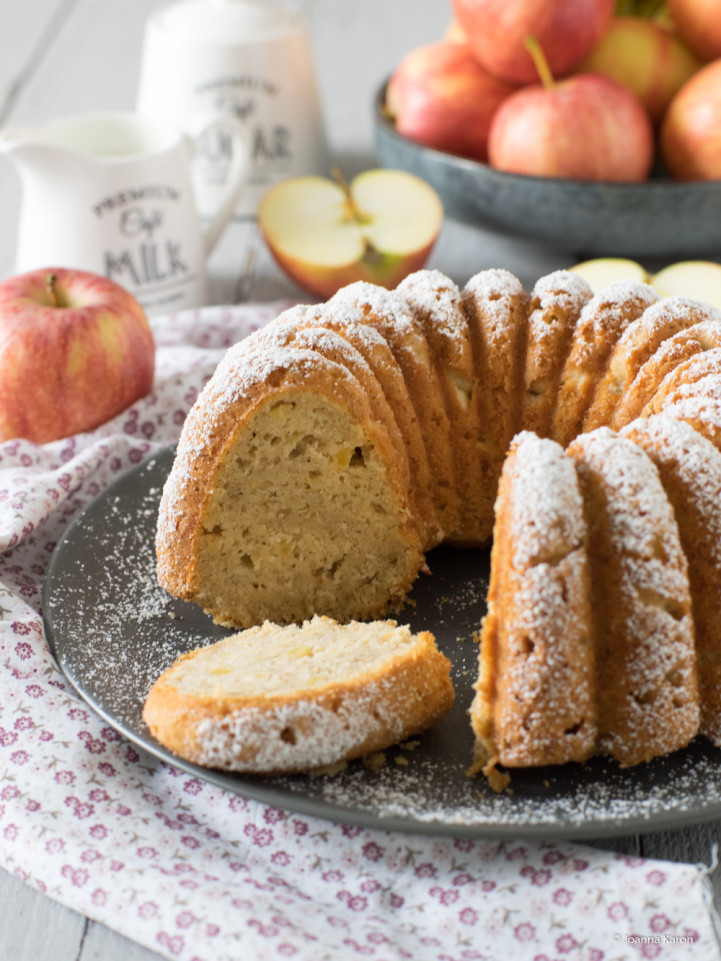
197 874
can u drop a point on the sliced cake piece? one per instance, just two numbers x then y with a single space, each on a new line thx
647 693
690 469
535 695
272 700
286 497
554 310
602 322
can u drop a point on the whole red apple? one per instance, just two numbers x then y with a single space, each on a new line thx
75 349
442 97
699 23
691 131
653 62
586 127
566 29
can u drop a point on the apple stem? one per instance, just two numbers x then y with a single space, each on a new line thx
353 211
541 63
369 253
50 286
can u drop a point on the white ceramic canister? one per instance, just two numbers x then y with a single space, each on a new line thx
250 59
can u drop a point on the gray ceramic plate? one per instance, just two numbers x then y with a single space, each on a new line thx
114 630
657 219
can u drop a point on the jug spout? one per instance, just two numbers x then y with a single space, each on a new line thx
28 148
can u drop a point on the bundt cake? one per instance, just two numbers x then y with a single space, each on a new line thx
332 450
277 699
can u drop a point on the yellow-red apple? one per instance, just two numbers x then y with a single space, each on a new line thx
442 97
566 29
75 350
691 130
584 127
699 23
700 279
326 234
602 271
454 33
653 62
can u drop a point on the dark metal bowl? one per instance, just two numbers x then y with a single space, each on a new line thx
660 218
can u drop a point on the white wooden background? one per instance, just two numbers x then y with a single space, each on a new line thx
65 56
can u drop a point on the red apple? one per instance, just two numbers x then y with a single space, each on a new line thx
454 33
75 349
442 97
566 29
325 234
586 127
699 23
691 131
653 62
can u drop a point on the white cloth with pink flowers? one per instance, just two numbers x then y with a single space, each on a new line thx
198 874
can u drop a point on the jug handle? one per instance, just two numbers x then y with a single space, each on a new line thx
239 171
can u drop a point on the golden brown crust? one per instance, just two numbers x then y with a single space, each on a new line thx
496 306
299 730
406 338
636 346
691 344
602 323
554 311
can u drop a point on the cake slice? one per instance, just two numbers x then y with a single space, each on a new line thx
647 692
535 695
273 700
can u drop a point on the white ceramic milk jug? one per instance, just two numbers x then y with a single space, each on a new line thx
112 193
251 60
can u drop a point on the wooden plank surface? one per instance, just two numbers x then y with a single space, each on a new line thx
65 56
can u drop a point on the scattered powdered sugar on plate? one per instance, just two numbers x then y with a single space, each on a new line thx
114 630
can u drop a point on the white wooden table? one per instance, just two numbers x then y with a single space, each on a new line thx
65 56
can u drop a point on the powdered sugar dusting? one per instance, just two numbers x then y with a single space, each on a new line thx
565 286
640 578
695 458
253 740
607 315
547 507
432 292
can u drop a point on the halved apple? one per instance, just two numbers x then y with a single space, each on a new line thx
700 279
325 234
602 271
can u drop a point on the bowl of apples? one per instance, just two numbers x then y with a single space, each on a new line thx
598 134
